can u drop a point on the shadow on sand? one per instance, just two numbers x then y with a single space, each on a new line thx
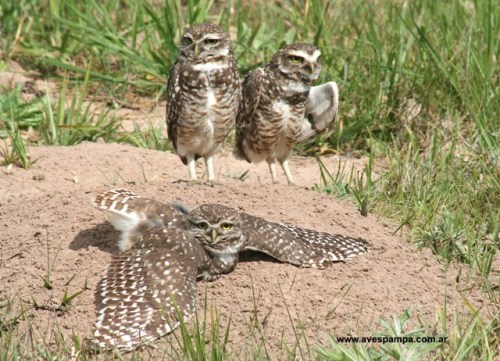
102 236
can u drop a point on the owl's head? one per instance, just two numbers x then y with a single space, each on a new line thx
218 228
204 43
301 62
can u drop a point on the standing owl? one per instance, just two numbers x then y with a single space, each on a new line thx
203 93
165 248
280 108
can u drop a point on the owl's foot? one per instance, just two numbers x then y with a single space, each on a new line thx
207 277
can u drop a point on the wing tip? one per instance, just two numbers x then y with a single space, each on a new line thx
106 199
103 342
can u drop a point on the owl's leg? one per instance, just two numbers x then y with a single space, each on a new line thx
209 162
286 169
272 168
192 167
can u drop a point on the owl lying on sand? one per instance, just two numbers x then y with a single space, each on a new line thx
165 249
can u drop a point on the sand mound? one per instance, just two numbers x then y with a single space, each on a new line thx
48 223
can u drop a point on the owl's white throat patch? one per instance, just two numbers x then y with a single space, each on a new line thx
229 254
227 258
210 66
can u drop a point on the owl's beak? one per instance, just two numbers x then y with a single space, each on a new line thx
214 234
196 50
310 67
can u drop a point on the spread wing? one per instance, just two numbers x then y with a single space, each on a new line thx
251 91
321 110
300 246
134 216
146 290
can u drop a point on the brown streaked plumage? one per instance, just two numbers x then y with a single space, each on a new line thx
275 107
203 93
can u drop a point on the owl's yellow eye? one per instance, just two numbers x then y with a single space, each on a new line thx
212 41
203 225
295 59
226 226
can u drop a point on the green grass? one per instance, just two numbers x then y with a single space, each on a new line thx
419 89
64 121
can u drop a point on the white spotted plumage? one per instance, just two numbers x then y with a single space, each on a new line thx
139 300
152 283
131 215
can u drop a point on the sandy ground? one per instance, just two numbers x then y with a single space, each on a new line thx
48 225
49 229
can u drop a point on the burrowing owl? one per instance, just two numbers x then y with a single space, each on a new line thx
166 249
203 95
279 107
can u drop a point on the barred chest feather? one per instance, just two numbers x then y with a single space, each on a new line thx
290 108
209 104
279 123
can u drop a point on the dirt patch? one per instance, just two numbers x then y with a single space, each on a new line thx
48 223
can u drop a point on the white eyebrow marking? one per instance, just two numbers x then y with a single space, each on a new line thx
211 36
309 57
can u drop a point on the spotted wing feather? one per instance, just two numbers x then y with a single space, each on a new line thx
114 200
300 246
133 216
146 289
